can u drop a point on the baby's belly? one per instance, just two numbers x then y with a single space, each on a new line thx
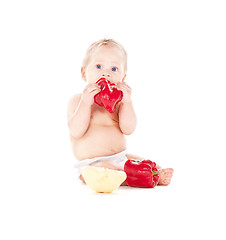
99 141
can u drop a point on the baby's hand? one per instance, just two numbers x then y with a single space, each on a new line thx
89 92
126 89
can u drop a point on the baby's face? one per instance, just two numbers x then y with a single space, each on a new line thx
107 62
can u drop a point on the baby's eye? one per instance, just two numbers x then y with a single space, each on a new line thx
98 66
114 69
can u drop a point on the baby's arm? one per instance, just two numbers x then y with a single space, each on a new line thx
127 115
79 110
127 118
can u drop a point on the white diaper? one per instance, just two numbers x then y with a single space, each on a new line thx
118 158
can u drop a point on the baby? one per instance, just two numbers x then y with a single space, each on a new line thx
98 136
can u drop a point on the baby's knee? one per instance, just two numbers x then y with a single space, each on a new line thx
133 156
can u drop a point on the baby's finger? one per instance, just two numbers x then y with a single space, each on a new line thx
126 89
119 86
95 91
125 84
93 87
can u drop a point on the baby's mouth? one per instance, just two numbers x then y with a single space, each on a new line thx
108 79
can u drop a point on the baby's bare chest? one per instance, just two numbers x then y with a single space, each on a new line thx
103 136
100 116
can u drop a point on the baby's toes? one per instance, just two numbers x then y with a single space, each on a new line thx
165 176
164 181
168 175
167 181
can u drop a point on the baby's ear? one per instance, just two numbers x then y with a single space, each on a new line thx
124 78
83 72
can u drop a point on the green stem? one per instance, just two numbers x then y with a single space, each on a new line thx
155 172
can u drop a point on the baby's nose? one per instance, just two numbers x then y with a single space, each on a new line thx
106 75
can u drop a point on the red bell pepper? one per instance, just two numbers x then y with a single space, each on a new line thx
141 173
109 96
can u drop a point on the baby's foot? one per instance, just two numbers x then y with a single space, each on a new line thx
165 176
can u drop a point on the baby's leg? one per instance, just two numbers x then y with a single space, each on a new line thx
165 174
133 156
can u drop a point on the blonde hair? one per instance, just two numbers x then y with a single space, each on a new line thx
104 42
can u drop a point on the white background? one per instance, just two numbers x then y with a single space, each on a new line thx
176 59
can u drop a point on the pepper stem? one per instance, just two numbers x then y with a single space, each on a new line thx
155 172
